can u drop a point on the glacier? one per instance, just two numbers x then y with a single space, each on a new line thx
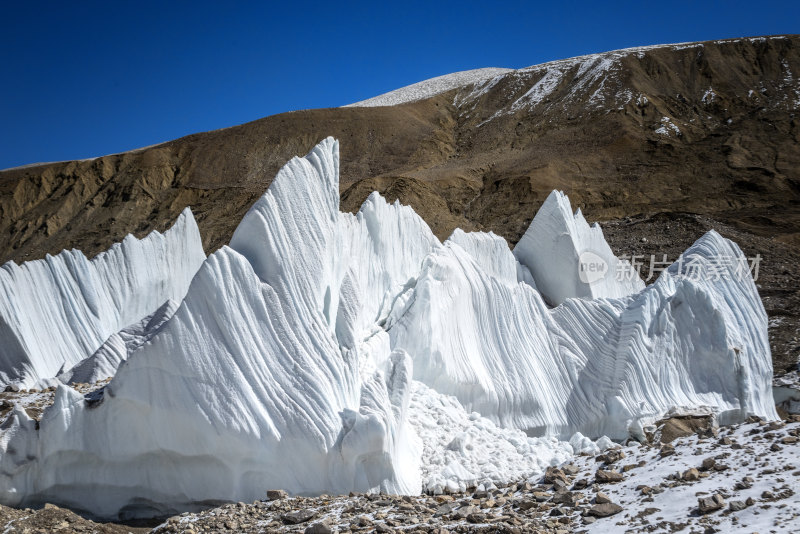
558 241
57 311
323 351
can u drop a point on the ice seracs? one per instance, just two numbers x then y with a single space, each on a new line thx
599 365
103 364
568 258
57 311
331 352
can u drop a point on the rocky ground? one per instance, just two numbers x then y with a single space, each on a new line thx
691 478
35 401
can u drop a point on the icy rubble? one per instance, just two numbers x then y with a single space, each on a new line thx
328 352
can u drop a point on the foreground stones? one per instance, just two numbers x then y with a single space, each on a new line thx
318 528
298 516
603 476
624 489
710 504
276 495
605 509
564 499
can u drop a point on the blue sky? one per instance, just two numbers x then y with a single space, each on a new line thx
84 79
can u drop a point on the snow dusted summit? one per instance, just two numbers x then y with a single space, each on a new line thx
328 352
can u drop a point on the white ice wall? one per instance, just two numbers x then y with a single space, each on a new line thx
565 256
329 352
57 311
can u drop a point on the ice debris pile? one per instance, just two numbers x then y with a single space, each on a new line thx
328 352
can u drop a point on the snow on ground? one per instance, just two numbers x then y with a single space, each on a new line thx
667 128
758 461
591 68
594 72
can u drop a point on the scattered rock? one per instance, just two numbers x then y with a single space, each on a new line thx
666 450
554 473
465 511
612 456
605 509
298 516
570 469
567 498
710 504
476 517
683 426
276 495
602 498
602 476
541 496
737 506
691 475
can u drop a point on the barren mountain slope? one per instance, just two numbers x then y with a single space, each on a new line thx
664 140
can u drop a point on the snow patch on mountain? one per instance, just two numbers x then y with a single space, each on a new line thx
667 128
592 79
432 87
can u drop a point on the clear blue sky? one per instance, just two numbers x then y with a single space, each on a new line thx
84 79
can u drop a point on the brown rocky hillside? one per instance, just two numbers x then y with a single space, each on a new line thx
659 143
